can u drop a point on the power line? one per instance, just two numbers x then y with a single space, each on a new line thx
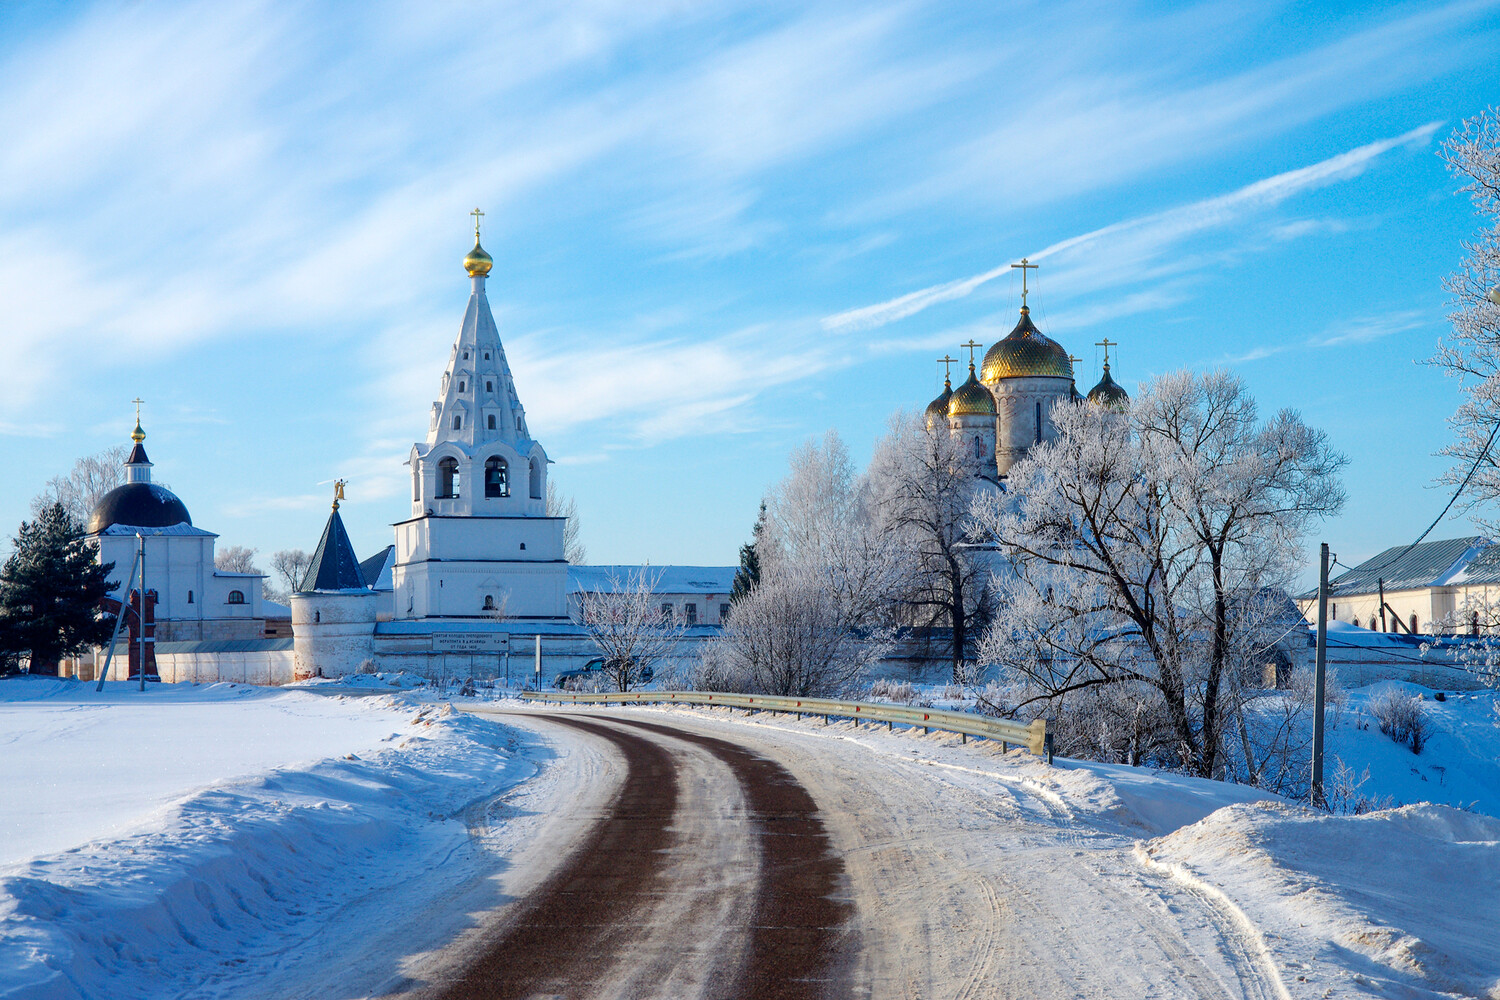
1451 501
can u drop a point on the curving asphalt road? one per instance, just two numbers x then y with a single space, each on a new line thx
686 855
710 874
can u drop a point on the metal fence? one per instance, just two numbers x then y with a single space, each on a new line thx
1032 736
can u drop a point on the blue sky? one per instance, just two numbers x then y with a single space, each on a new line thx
718 229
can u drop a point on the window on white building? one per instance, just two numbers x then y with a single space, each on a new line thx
723 611
190 597
666 611
691 610
236 597
461 384
489 386
492 421
458 421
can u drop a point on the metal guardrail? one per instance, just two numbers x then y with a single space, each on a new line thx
1032 736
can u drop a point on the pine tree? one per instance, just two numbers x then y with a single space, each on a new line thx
50 591
747 577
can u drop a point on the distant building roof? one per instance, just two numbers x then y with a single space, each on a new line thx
377 569
334 566
225 646
665 579
1449 563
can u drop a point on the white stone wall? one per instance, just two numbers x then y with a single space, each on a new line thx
267 667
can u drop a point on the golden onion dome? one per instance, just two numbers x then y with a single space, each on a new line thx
478 262
1026 351
1109 393
971 399
938 408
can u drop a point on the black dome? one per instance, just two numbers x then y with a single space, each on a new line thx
139 505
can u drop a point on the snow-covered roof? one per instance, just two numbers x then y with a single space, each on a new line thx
1448 563
175 529
377 568
665 579
275 609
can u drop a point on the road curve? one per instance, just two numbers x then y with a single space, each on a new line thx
709 875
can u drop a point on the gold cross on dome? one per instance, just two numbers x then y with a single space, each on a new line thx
477 216
1025 266
1106 343
971 345
947 362
137 401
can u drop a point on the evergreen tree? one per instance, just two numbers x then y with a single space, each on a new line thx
50 591
747 577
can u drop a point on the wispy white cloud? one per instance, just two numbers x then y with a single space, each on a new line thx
1355 330
1124 252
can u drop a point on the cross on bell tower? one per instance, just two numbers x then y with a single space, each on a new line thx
477 216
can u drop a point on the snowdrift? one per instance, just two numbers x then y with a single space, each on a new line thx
1393 900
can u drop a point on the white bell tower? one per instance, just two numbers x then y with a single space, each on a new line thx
478 538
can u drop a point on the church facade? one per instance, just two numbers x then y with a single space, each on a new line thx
1005 409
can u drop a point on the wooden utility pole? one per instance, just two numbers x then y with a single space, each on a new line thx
1321 676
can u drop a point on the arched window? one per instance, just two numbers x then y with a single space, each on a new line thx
416 484
496 477
461 385
489 602
492 421
190 601
236 597
448 479
489 386
1355 623
1413 623
978 448
536 479
1039 421
1474 623
458 421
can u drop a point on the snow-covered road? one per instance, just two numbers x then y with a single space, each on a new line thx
957 881
382 846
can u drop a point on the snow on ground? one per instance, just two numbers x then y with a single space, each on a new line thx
1401 902
205 841
1459 766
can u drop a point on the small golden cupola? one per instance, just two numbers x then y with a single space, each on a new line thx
1108 393
938 408
478 263
972 398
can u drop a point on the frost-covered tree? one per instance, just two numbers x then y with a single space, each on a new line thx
818 613
235 559
793 635
628 627
560 504
821 518
50 589
1146 547
84 486
1471 352
923 491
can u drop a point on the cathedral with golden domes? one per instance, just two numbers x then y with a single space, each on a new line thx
1005 408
